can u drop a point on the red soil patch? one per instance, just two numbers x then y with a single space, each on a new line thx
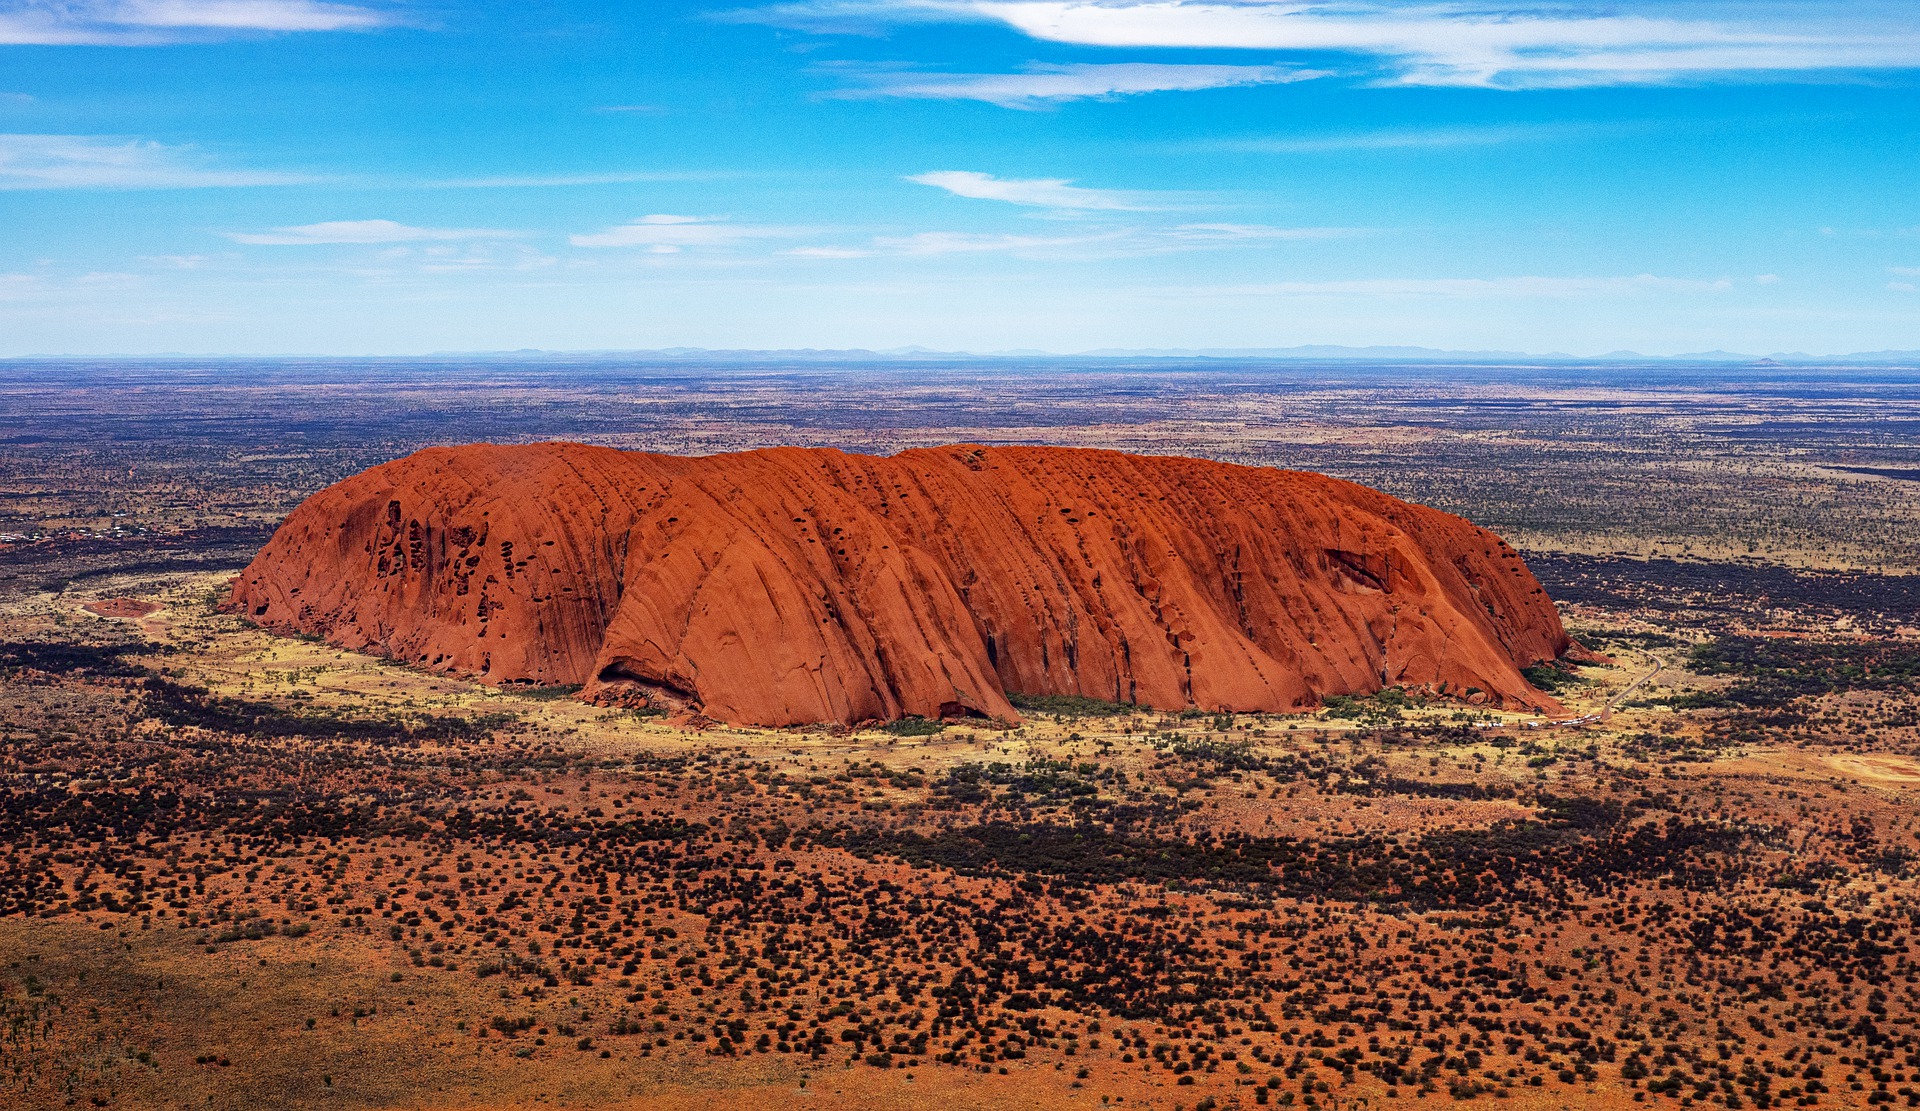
132 609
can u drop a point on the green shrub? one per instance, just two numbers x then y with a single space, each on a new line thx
1069 705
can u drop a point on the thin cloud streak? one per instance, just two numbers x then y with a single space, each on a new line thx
115 162
348 232
1254 233
123 162
665 234
1475 288
1109 243
1043 85
155 22
930 243
1439 138
1054 193
1443 43
564 181
241 15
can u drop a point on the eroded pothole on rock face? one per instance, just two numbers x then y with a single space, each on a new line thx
961 712
621 684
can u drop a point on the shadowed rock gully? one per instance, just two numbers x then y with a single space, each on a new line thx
792 586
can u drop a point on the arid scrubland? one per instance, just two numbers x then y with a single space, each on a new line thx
238 870
243 869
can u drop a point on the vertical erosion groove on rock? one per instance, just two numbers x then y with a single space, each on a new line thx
791 586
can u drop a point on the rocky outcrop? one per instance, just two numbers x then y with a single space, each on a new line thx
793 585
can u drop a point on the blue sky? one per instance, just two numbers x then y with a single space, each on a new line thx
391 176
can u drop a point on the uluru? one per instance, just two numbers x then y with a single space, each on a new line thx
792 586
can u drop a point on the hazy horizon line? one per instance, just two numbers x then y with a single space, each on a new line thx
1301 352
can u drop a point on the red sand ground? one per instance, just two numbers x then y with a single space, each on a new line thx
131 609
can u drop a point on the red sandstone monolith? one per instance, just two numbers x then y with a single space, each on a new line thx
792 586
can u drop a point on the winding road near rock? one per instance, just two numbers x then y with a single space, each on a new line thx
791 585
1613 703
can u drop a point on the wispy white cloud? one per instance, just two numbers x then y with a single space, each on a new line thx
469 257
148 22
829 252
1117 242
560 181
241 15
928 243
106 279
1453 43
113 162
1056 193
1252 233
349 232
1041 85
1480 288
16 287
122 162
663 234
1435 138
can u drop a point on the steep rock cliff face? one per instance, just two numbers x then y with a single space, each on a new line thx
796 585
